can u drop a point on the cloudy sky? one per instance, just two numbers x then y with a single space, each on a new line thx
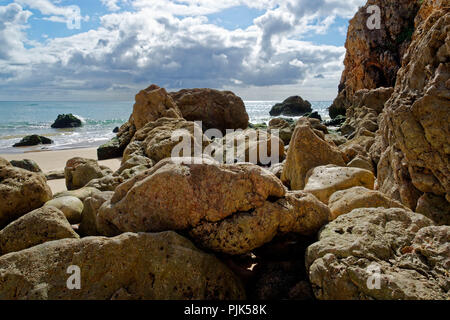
109 49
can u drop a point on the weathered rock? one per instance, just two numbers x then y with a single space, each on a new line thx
336 121
162 266
334 138
220 110
55 175
345 201
362 163
107 183
21 191
323 181
434 207
306 151
135 161
152 104
81 194
175 196
375 55
383 254
88 225
277 169
291 107
110 150
80 171
415 122
33 140
66 121
358 145
71 207
298 212
26 164
285 129
254 146
36 227
156 140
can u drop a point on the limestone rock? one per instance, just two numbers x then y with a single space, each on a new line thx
175 195
21 191
362 163
285 129
291 107
415 126
374 56
345 201
306 151
107 183
88 225
80 171
298 212
32 140
72 208
66 121
323 181
162 266
27 164
81 194
434 207
383 254
220 110
156 140
39 226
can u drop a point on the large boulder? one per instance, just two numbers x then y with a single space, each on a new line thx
176 195
323 181
345 201
383 254
374 55
21 191
298 212
308 149
415 124
67 121
32 140
39 226
157 139
151 104
80 171
292 107
163 266
220 110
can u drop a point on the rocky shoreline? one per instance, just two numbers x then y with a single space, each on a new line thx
295 211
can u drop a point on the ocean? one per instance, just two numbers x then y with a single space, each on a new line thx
19 119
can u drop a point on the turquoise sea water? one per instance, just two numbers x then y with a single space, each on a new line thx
18 119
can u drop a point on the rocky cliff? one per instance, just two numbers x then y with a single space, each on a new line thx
414 126
374 56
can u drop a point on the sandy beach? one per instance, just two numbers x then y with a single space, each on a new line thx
56 160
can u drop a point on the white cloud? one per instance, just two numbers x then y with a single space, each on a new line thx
172 44
53 12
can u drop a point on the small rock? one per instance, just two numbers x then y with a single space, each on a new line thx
71 207
66 121
27 164
33 140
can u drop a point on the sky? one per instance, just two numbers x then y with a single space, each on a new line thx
110 49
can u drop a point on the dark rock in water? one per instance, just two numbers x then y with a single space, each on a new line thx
110 150
33 140
313 115
116 130
26 164
66 121
336 122
257 126
292 106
